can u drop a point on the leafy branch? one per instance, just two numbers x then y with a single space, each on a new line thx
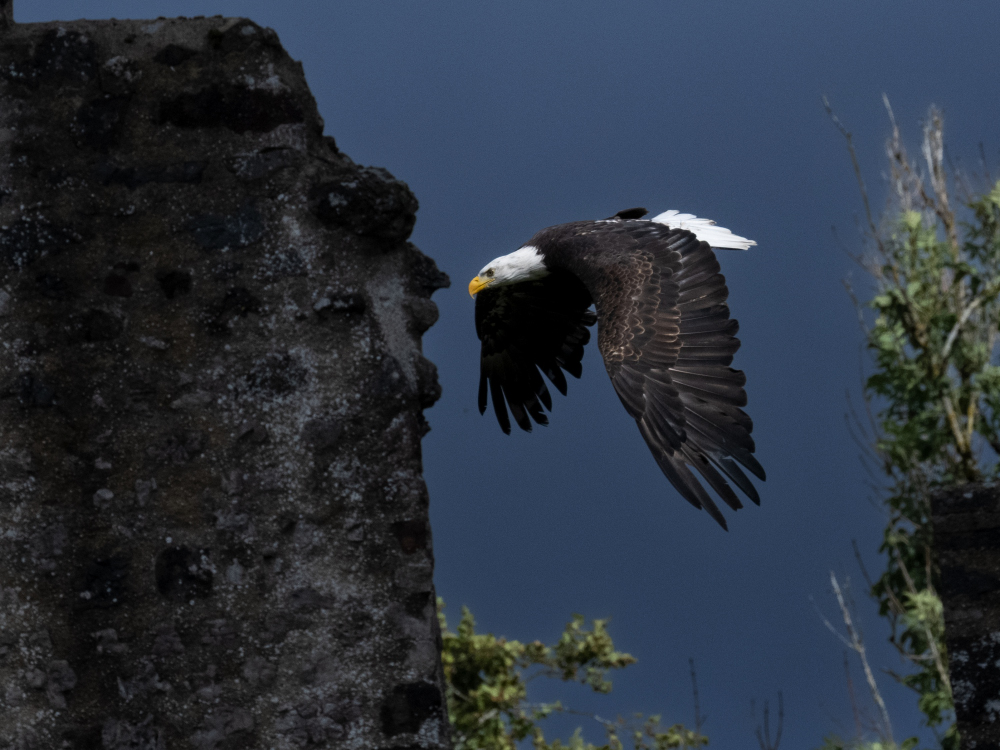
487 679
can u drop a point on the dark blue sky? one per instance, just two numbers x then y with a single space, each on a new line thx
506 117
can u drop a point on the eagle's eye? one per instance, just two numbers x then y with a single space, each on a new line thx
489 273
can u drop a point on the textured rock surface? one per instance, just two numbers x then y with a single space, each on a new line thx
967 544
213 525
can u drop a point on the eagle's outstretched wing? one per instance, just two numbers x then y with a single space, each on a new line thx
524 328
667 340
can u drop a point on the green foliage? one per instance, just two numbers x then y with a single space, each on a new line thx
937 316
645 735
487 681
836 743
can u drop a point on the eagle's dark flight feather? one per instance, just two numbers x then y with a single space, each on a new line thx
524 328
664 333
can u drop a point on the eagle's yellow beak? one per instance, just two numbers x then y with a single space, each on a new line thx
477 285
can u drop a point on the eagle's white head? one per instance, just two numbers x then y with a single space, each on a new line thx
525 264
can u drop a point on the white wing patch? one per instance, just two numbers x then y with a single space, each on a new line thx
704 229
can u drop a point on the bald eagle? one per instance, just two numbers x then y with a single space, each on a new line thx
663 329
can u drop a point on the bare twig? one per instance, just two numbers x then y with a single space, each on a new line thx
857 645
901 679
571 711
858 307
961 444
849 139
861 564
962 320
698 718
906 181
832 629
985 163
856 257
933 150
855 711
764 733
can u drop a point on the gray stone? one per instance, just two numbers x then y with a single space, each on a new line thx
215 521
966 521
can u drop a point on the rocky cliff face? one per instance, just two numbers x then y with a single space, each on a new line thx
967 544
213 525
